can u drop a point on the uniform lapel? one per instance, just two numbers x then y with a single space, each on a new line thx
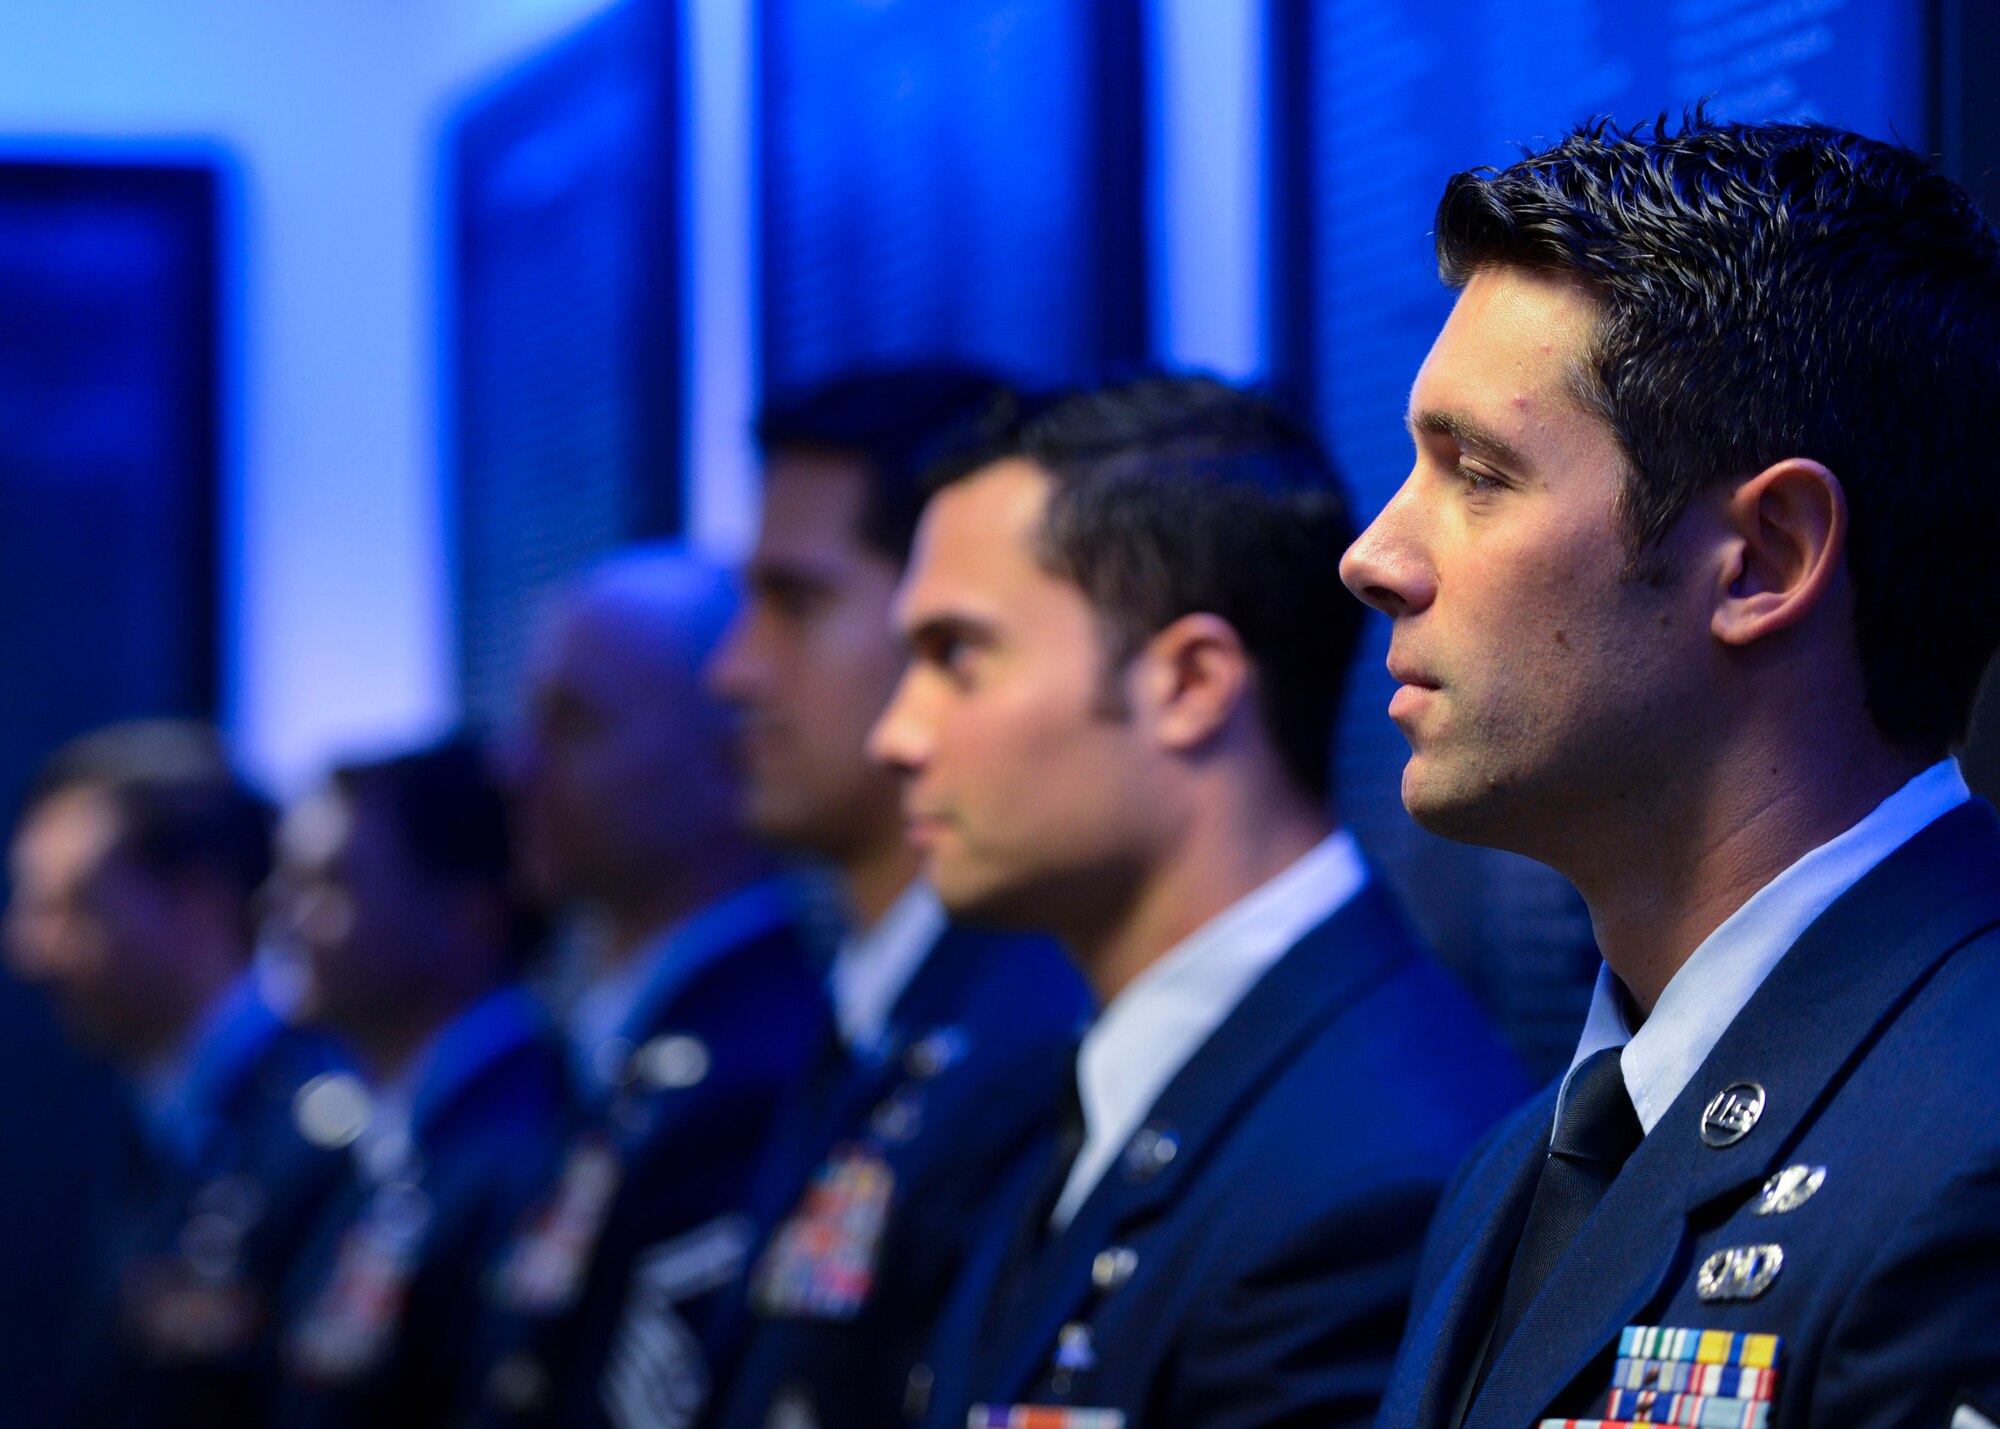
1847 974
1456 1316
1336 963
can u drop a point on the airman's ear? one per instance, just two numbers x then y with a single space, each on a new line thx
1785 532
1193 676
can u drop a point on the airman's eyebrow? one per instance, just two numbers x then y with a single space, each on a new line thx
1469 434
935 632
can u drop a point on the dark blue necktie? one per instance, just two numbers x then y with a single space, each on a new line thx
1595 1131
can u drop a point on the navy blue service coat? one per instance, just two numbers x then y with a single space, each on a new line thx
873 1186
619 1265
60 1123
1250 1260
379 1315
1874 1044
224 1229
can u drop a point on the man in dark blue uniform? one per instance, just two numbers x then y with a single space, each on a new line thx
57 1122
948 1043
700 1009
134 866
1127 648
395 885
1691 594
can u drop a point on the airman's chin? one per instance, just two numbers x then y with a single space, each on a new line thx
1447 809
978 903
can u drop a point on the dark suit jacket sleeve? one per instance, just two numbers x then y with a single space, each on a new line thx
1922 1327
1301 1329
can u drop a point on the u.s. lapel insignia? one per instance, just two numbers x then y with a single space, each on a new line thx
1731 1115
1740 1272
1789 1189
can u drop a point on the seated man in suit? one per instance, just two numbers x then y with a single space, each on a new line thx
866 1186
1691 598
395 886
134 866
1127 647
699 1013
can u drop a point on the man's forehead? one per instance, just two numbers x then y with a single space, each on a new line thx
976 543
1512 350
80 824
809 492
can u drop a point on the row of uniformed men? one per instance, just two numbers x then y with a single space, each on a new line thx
1632 637
745 1181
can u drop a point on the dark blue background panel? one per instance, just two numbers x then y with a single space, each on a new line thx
567 360
108 450
1389 98
951 177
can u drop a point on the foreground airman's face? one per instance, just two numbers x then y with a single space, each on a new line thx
811 661
1537 682
1023 787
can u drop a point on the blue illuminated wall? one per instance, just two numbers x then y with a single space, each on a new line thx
951 177
108 450
1394 96
1378 102
568 419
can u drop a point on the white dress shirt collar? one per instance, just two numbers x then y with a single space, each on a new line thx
871 968
1722 975
1152 1028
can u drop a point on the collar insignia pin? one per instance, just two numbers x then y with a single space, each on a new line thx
1789 1189
1150 1151
1742 1272
673 1061
1732 1114
1113 1267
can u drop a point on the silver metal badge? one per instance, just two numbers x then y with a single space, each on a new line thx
1076 1350
1732 1114
936 1053
1742 1272
1113 1266
1150 1152
673 1061
899 1117
1789 1189
332 1110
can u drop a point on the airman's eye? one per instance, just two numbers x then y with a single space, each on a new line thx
952 652
1476 481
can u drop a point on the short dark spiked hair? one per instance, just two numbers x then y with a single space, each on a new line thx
1177 495
890 421
1785 290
